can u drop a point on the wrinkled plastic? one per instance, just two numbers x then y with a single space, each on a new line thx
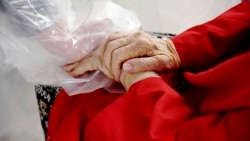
40 36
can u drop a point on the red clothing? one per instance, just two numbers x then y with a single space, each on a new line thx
214 104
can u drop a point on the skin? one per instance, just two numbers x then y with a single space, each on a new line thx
128 58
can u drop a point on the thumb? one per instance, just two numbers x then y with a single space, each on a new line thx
142 64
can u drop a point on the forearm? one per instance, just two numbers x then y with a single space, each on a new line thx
205 45
161 106
170 118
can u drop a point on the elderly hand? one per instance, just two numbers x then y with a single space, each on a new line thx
93 62
89 63
139 52
129 54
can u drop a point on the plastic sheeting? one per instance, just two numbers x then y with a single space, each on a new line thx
40 36
19 118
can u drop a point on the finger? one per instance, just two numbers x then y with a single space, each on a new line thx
88 64
70 67
122 54
112 46
107 73
116 36
155 63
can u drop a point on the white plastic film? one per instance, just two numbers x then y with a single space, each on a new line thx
40 36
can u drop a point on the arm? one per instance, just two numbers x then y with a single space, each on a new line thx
205 45
151 110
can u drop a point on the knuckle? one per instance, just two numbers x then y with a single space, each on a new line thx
110 44
140 41
118 57
111 37
116 53
138 33
74 73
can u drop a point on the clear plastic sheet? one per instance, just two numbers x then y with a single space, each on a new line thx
40 36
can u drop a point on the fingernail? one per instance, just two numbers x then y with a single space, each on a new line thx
127 67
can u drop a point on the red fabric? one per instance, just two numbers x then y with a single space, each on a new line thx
206 45
214 105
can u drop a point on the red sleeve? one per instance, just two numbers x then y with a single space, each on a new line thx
207 44
151 110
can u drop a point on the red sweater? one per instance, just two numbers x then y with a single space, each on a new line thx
213 104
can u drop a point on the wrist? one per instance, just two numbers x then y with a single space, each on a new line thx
128 79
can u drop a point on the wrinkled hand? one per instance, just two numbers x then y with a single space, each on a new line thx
96 60
90 63
93 62
128 58
139 52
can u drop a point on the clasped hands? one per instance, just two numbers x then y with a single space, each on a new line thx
128 58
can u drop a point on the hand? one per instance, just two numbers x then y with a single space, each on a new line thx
139 52
90 63
93 62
